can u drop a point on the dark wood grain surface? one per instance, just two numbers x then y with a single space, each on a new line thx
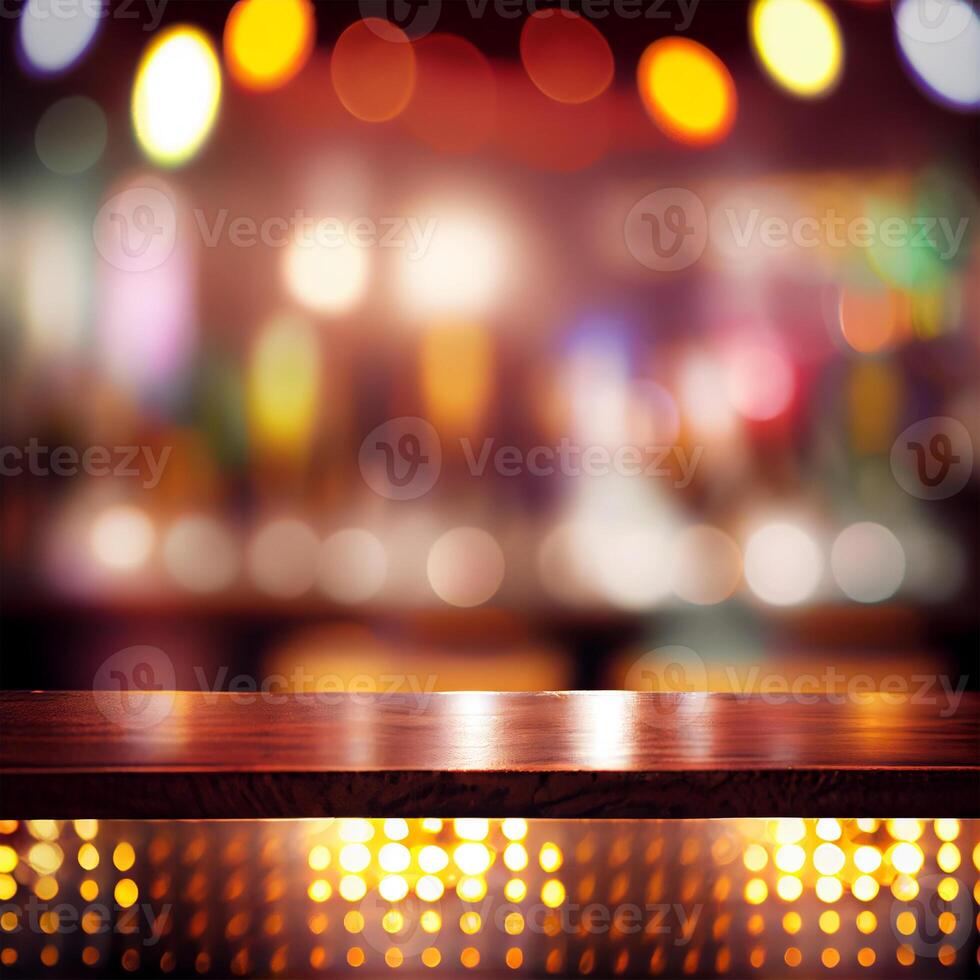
577 754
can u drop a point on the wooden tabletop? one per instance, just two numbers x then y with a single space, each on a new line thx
181 755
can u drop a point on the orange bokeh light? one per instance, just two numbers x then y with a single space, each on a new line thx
267 42
373 69
687 90
565 56
873 321
454 107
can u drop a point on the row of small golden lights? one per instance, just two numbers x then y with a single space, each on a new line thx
898 862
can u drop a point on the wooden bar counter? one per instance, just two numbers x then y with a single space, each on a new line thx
182 755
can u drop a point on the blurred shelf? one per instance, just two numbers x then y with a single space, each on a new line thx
167 755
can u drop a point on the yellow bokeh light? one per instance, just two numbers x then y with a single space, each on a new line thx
552 893
176 95
515 857
905 888
687 90
514 828
283 385
356 831
867 922
353 921
789 831
126 892
906 857
905 923
829 921
88 829
470 923
392 921
471 889
8 859
394 857
829 889
431 957
88 857
267 42
319 857
355 857
799 44
472 858
393 888
828 859
789 857
396 828
394 957
792 922
8 887
45 858
515 890
828 829
124 856
430 921
432 858
867 859
789 888
906 829
755 858
948 889
947 829
429 888
89 890
948 857
319 890
472 828
514 924
352 888
756 891
550 857
864 888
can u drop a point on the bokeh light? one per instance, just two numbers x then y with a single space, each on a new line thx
687 90
283 558
940 40
373 70
201 554
326 277
566 56
706 566
798 43
267 42
122 538
759 381
465 567
54 36
176 95
461 270
353 568
71 135
782 564
868 562
872 320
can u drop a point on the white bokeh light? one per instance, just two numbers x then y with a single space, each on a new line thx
326 278
201 554
940 40
282 558
868 562
54 35
353 565
459 272
465 567
783 564
122 538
